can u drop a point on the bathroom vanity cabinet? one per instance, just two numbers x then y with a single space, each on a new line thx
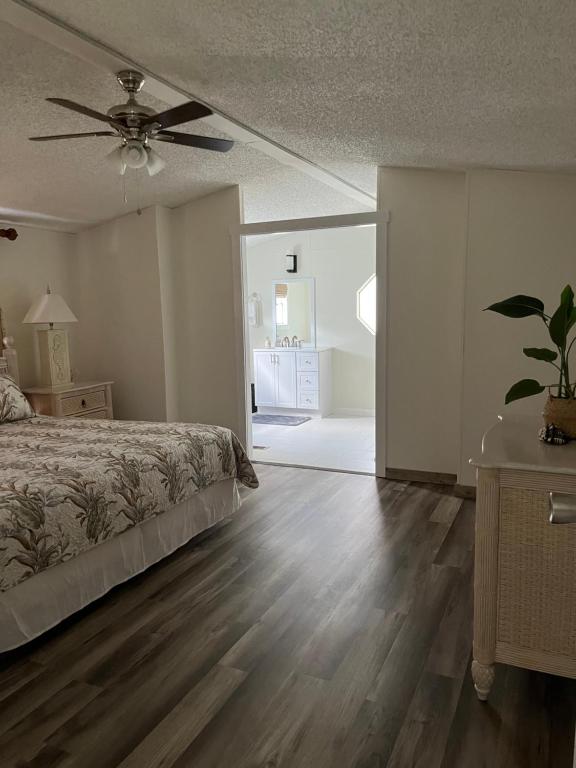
300 379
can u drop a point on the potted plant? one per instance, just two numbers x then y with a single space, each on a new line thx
560 408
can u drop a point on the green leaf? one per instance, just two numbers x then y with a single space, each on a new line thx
567 297
563 319
571 319
523 388
518 306
558 325
541 353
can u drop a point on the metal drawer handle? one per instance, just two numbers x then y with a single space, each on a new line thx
562 508
83 403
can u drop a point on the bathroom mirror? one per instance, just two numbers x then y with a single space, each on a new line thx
294 311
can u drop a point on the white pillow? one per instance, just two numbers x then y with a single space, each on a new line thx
13 403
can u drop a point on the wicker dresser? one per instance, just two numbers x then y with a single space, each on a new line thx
525 566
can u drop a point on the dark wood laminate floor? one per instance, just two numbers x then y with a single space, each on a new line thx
327 626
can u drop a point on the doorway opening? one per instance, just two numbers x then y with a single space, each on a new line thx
310 309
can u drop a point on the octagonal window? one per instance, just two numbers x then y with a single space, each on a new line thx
366 304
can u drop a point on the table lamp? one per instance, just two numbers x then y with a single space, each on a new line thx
53 343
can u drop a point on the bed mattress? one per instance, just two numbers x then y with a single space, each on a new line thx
39 603
70 485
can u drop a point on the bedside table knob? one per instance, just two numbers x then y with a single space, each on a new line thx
83 403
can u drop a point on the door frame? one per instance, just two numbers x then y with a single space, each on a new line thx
239 234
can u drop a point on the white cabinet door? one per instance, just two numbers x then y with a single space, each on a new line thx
286 379
265 378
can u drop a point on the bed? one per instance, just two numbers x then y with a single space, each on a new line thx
87 504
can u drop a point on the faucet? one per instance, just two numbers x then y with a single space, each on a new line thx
285 341
294 341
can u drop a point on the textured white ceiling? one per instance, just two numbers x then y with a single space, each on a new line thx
71 181
353 84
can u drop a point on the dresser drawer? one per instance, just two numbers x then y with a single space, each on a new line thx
536 575
308 399
103 414
306 361
88 401
308 380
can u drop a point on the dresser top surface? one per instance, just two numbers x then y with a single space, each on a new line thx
512 443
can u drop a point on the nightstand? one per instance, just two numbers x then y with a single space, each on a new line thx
85 400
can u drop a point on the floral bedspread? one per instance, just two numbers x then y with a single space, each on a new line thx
68 484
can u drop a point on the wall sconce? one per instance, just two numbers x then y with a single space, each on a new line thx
291 263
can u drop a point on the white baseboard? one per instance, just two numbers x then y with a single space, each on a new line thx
343 413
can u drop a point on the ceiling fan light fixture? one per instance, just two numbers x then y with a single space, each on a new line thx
133 154
135 124
115 160
155 163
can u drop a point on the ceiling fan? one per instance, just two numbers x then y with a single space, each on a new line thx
135 125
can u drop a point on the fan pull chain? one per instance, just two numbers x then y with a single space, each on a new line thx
138 198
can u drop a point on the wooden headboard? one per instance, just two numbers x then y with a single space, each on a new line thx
8 356
9 364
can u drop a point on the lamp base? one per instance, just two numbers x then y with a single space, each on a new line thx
54 358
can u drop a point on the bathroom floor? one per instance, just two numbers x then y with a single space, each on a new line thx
330 443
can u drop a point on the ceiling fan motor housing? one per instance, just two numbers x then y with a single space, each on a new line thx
131 80
131 113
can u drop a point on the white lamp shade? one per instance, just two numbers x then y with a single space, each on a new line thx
115 160
155 163
50 308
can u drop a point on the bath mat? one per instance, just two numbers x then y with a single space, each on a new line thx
279 421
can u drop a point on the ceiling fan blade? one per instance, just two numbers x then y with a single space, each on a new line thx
184 113
72 136
190 140
84 111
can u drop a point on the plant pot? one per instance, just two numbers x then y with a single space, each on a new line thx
561 412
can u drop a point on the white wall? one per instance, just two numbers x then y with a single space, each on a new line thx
155 300
340 261
27 264
156 309
209 371
522 239
168 292
426 244
457 243
118 305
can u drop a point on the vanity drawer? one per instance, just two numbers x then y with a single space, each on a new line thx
306 361
308 399
308 380
86 402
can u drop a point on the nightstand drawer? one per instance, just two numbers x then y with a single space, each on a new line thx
104 414
86 402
